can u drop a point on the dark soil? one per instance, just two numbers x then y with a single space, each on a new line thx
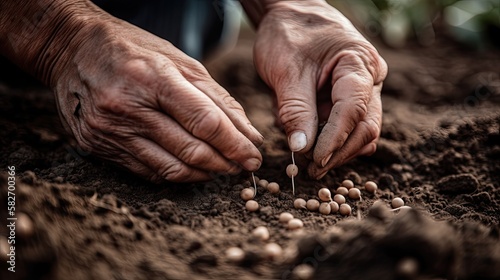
439 151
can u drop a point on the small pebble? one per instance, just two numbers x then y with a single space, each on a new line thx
354 193
273 251
273 188
285 217
312 205
348 184
345 209
324 194
261 233
235 254
303 272
325 208
300 203
397 202
263 183
252 205
292 170
342 190
371 187
247 194
334 206
340 199
295 224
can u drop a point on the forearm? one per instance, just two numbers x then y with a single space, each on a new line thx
256 9
36 34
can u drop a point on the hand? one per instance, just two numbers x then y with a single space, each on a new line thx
320 66
133 98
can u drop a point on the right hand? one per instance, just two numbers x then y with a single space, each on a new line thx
133 98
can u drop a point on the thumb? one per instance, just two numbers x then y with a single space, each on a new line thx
298 112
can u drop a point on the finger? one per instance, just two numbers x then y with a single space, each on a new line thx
167 133
132 164
207 122
233 110
351 93
297 110
362 140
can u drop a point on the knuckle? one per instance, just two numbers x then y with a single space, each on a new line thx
372 130
194 154
206 124
111 101
175 173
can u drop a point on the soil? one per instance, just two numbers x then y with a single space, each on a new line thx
439 151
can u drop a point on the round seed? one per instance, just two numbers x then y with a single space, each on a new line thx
263 183
312 205
345 209
295 224
397 202
285 217
325 208
303 272
340 199
300 203
324 194
292 170
348 184
252 205
408 267
334 206
354 193
261 233
235 254
246 194
4 248
342 190
273 251
24 227
371 187
273 188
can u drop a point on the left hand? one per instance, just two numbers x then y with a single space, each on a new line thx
303 45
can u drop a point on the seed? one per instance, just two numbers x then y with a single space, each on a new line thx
292 170
4 248
295 224
285 217
273 251
334 206
325 208
340 199
312 205
235 254
303 272
247 194
273 188
342 190
261 233
252 205
397 202
348 184
325 194
263 183
354 193
408 267
24 227
300 203
371 187
345 209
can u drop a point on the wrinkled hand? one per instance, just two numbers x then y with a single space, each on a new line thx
320 66
133 98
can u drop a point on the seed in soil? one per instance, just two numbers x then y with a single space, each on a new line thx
295 224
342 190
354 193
273 188
300 203
325 208
263 183
247 194
371 187
397 202
324 194
312 205
285 217
340 199
303 272
235 254
345 209
252 205
334 206
348 184
261 233
25 226
408 267
273 251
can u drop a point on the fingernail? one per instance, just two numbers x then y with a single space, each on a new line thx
324 162
252 164
297 141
